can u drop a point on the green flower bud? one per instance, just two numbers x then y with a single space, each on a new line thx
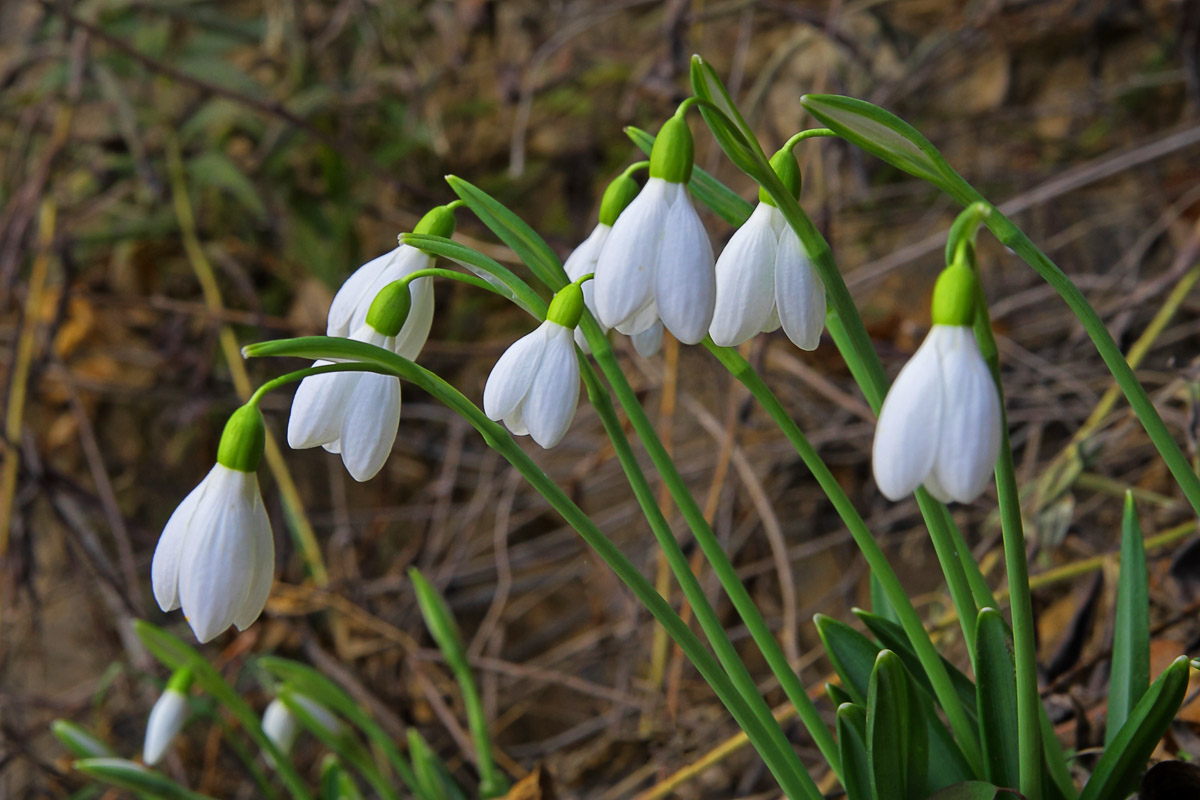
673 152
954 296
617 196
785 166
567 306
390 308
438 222
243 440
181 680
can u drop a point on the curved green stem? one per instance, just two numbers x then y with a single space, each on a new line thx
811 133
321 347
462 277
301 374
678 562
934 667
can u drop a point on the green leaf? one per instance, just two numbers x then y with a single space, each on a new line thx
79 741
513 231
723 201
336 784
136 778
425 763
897 740
837 695
967 790
880 132
852 655
1131 638
487 268
728 127
852 745
996 681
893 637
1117 772
218 171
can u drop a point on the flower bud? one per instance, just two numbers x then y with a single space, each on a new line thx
567 306
617 196
390 308
673 152
954 296
785 166
439 221
243 440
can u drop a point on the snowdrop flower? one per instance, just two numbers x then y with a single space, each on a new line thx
765 277
657 262
167 717
534 387
282 726
216 555
940 423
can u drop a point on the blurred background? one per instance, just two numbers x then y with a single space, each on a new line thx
178 177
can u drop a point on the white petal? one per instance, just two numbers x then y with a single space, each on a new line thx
934 488
550 405
264 568
906 436
515 423
583 258
799 293
163 725
627 263
745 275
218 555
513 374
322 715
164 569
648 342
641 320
970 438
318 408
685 286
280 725
369 429
348 297
415 333
772 322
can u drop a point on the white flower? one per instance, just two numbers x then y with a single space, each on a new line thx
348 312
282 726
356 414
534 387
764 279
648 341
657 263
165 721
582 261
940 423
216 556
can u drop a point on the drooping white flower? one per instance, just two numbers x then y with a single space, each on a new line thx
648 342
657 263
534 387
765 279
216 556
282 726
582 261
355 414
166 719
940 424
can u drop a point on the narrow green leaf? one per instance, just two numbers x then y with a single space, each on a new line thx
1131 638
967 790
1124 759
79 741
852 745
893 637
216 170
513 231
336 783
837 695
852 655
996 681
897 741
136 778
879 132
722 200
425 765
492 271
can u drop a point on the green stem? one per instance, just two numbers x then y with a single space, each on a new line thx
500 440
709 622
1029 702
301 374
792 686
934 667
454 275
1012 236
949 554
811 133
